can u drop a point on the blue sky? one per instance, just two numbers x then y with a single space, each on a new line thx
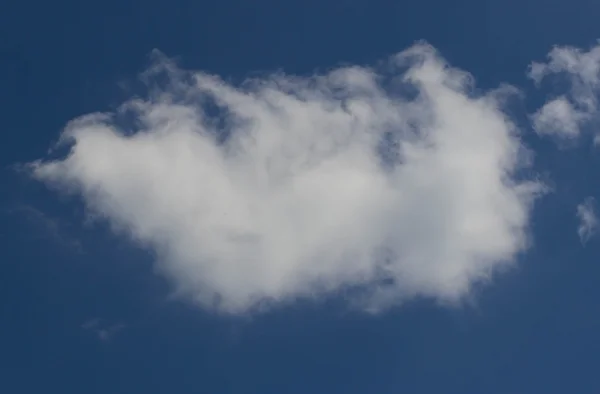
115 276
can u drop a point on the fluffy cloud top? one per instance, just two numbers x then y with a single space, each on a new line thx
565 115
396 182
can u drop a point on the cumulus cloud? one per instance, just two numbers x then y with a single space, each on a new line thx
393 182
579 72
588 221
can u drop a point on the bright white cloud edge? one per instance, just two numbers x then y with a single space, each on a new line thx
297 202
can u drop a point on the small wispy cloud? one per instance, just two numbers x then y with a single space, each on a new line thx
103 331
47 227
565 115
588 220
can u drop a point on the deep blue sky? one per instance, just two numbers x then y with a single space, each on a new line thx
534 330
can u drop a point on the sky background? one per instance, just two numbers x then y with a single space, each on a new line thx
81 310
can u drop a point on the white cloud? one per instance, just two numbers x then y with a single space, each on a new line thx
559 118
588 221
565 115
301 200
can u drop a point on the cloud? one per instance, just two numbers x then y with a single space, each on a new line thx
44 226
588 221
103 331
384 183
565 115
